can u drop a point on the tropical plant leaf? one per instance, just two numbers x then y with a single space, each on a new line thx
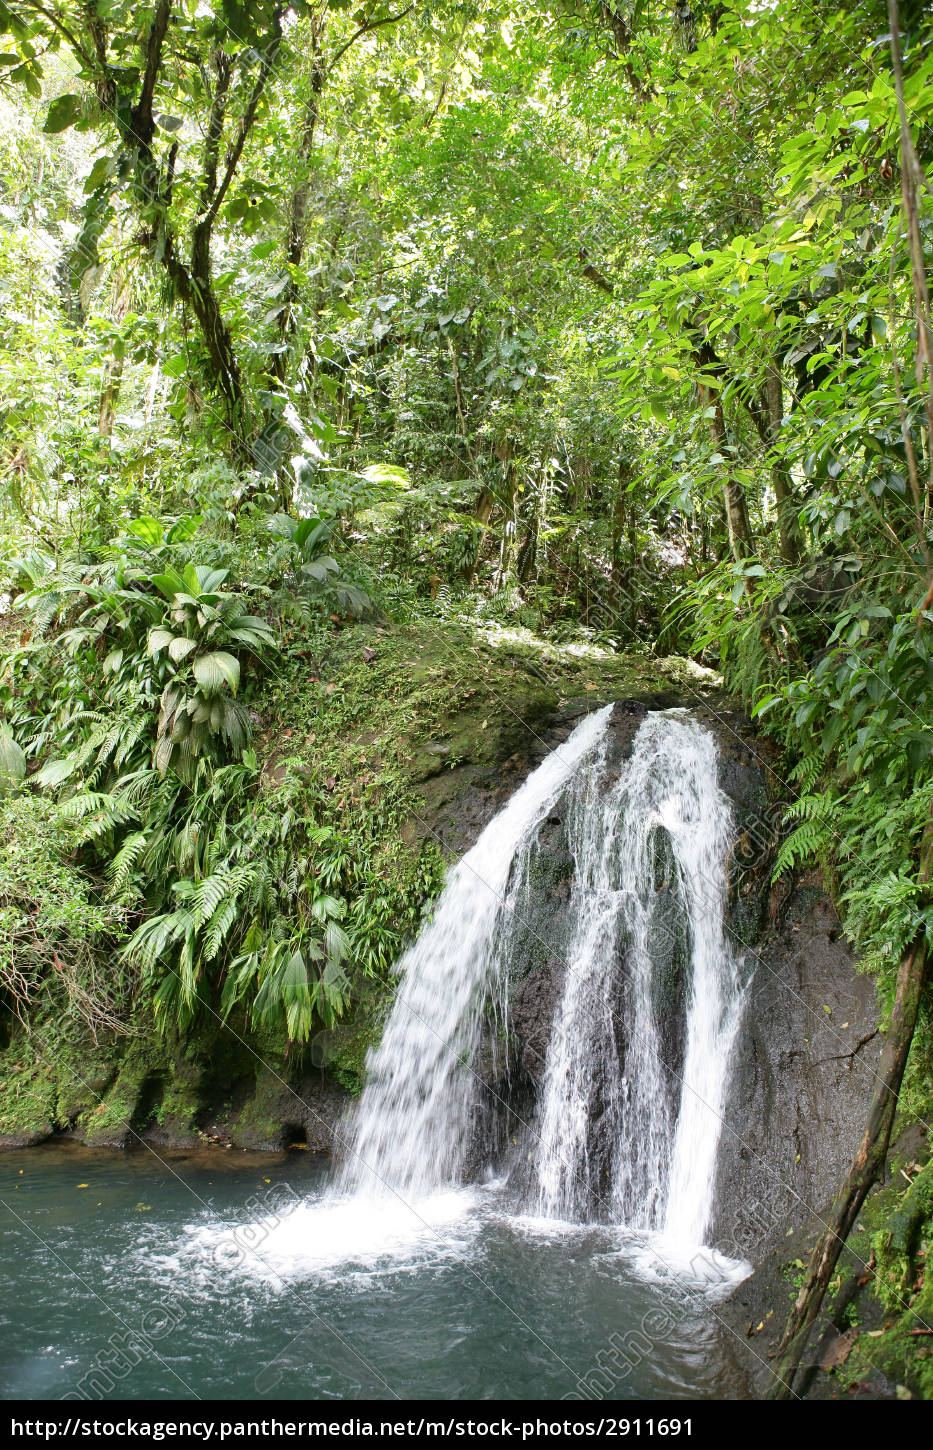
213 671
180 647
159 639
12 760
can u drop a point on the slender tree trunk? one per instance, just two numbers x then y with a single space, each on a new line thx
113 378
298 209
788 532
737 520
617 530
510 522
528 553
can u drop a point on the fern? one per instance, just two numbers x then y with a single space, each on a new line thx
125 861
811 838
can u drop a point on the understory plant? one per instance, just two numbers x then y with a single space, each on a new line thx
150 659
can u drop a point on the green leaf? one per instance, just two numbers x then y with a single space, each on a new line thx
25 75
12 760
213 671
169 584
184 529
56 771
162 754
181 647
63 113
303 530
159 639
147 529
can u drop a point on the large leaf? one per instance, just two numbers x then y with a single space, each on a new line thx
192 580
183 529
303 528
56 771
250 630
63 112
169 584
209 580
213 671
160 639
235 725
319 569
148 530
162 754
12 760
181 647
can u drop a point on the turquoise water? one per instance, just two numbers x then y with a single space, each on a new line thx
215 1275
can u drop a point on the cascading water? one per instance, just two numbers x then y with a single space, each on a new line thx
412 1126
638 1063
637 1066
605 891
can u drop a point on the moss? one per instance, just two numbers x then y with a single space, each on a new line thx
182 1101
128 1104
28 1099
346 1057
260 1122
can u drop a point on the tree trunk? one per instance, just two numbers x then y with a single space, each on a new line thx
510 522
737 520
113 378
298 209
617 530
788 532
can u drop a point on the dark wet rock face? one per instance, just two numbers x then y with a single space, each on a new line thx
531 1014
805 1068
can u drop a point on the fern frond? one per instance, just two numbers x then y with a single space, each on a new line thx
124 862
804 844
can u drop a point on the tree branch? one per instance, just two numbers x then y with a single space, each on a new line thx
246 121
72 40
365 30
593 274
142 123
223 67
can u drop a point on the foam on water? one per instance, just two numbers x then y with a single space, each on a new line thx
329 1237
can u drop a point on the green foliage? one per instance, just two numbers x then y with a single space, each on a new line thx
54 927
128 690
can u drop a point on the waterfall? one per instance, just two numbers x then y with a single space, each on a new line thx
413 1122
638 1062
636 1071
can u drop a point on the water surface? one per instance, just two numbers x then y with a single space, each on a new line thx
228 1275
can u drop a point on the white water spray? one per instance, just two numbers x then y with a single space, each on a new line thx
638 1063
413 1124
